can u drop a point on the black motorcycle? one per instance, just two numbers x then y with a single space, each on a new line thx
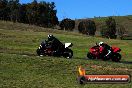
47 48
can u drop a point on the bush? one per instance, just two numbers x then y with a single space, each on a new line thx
104 31
121 31
81 26
67 24
109 29
87 27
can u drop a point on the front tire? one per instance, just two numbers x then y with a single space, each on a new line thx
91 56
68 53
40 52
116 57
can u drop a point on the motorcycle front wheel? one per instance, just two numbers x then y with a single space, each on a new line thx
90 56
39 52
68 53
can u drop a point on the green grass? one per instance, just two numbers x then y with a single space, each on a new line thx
31 71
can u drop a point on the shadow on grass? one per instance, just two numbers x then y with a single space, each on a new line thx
85 58
127 39
81 58
126 62
78 58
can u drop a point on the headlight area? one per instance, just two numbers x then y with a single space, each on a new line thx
40 46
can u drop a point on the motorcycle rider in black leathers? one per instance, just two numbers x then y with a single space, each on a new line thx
56 45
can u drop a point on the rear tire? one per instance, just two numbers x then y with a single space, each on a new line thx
116 57
91 56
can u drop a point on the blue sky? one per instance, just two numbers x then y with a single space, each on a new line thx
77 9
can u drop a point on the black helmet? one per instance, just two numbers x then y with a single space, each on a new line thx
50 37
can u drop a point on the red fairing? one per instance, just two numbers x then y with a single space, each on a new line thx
116 49
95 50
101 49
91 50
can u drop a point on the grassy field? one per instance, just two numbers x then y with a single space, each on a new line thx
20 67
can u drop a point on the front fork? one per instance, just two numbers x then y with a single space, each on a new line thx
108 53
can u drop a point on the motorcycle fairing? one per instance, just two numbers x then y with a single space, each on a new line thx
116 49
68 45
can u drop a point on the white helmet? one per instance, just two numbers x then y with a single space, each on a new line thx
100 43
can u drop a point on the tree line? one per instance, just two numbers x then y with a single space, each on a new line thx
41 14
44 14
88 27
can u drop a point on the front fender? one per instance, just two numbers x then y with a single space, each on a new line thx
115 49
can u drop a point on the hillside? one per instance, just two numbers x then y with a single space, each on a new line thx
126 21
21 68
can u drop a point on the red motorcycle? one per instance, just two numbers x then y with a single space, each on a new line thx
97 52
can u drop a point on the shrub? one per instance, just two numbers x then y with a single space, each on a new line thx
109 29
67 24
87 27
